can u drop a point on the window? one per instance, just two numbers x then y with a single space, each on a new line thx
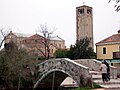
81 11
119 48
56 45
52 51
59 45
35 41
104 50
89 11
25 41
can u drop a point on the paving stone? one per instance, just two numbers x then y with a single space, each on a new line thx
113 84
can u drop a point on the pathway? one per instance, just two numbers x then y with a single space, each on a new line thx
113 84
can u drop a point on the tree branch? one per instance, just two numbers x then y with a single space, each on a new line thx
3 36
116 6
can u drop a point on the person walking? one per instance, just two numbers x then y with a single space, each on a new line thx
108 70
103 69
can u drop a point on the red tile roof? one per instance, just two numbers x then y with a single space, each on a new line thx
35 36
112 39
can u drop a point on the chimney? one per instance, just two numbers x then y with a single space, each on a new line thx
118 31
10 31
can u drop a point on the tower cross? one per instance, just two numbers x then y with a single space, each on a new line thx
83 3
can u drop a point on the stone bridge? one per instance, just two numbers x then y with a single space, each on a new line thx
52 73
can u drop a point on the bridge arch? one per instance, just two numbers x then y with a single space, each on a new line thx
62 68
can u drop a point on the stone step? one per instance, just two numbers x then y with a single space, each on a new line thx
110 86
112 81
96 77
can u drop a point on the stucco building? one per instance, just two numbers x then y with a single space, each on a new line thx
84 23
34 44
109 49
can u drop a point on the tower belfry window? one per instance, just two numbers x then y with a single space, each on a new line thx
81 11
89 11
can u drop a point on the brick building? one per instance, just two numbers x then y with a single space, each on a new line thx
34 44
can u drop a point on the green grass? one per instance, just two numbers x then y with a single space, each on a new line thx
89 88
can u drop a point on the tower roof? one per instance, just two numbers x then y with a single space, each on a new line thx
83 6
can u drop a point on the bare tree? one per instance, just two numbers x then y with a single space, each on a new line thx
117 5
3 34
47 35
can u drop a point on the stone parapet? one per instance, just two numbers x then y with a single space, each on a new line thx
94 65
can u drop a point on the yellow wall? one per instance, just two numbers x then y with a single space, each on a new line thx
109 51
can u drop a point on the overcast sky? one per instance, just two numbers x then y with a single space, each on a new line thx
25 16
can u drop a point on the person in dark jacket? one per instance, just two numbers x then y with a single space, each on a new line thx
103 69
108 70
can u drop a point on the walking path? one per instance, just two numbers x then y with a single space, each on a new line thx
113 84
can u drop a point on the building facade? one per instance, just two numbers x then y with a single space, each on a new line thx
109 49
56 43
84 23
35 44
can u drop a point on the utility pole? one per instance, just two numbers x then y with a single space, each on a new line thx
19 80
53 80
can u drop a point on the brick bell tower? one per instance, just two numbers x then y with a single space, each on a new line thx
84 23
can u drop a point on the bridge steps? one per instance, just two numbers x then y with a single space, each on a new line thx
97 78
